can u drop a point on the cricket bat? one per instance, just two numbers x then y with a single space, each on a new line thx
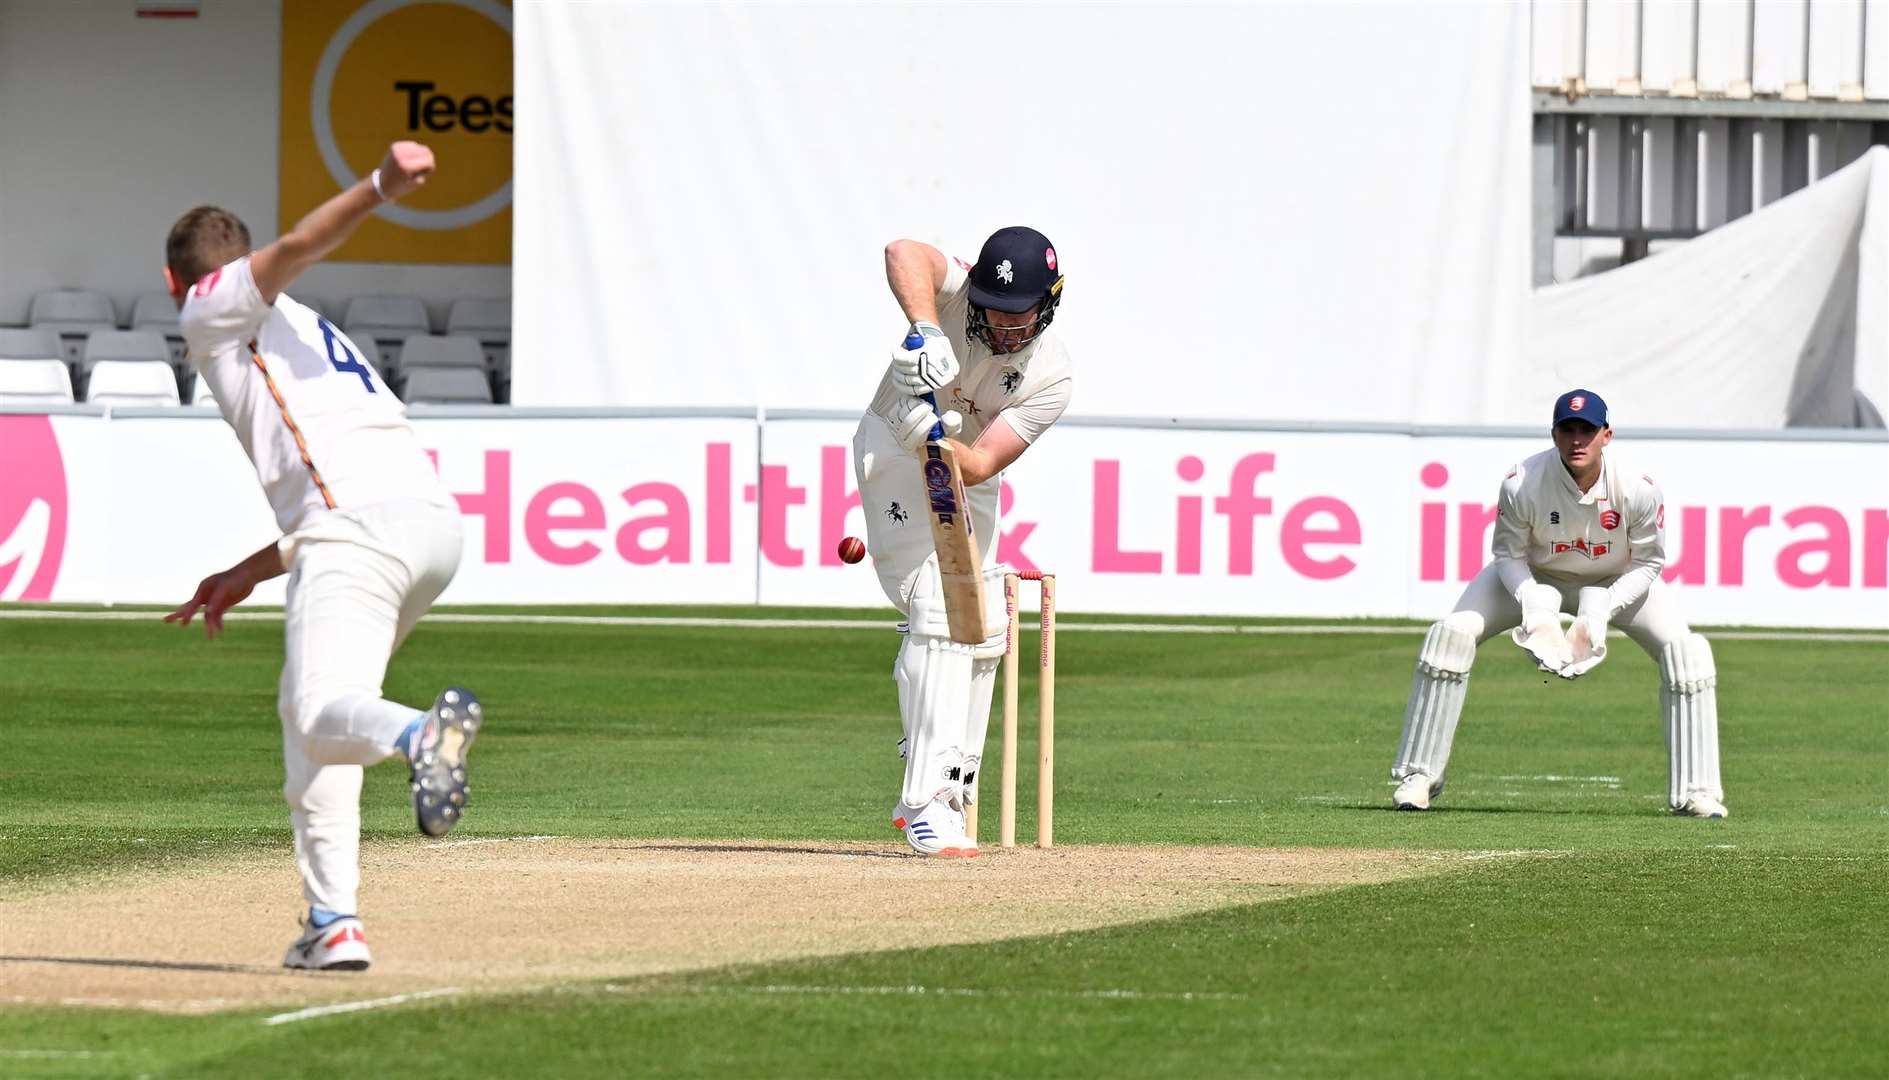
960 566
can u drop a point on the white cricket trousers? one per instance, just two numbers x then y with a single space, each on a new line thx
1653 621
358 582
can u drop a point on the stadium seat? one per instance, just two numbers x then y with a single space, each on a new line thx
132 382
140 346
449 386
35 382
490 321
385 321
30 344
450 351
72 314
157 311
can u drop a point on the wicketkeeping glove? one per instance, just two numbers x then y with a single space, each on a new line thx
1587 640
1540 634
927 369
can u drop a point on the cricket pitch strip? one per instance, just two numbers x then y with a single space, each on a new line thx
545 911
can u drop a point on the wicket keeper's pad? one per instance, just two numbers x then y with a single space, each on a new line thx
1437 688
1689 696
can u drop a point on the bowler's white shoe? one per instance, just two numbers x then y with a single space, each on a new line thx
936 829
1413 793
339 946
1702 806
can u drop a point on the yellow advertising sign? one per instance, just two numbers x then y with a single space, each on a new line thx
360 74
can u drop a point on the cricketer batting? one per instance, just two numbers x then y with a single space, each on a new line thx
1013 383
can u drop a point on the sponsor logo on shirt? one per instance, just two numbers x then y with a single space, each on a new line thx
1581 547
1554 517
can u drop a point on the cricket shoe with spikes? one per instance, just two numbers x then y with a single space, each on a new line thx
1414 793
438 760
937 828
339 946
1704 806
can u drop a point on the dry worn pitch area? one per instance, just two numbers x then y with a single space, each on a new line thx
487 915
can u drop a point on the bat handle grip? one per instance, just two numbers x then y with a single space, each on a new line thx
916 340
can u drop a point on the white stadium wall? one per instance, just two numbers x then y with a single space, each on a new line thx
1266 211
619 509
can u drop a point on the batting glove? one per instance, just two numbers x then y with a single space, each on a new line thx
927 369
913 429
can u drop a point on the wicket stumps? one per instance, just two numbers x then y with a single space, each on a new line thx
1045 715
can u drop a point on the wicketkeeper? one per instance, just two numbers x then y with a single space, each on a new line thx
1013 382
1576 532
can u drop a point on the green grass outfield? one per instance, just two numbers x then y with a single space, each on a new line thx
1754 946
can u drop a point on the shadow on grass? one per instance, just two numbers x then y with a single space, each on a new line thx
1381 809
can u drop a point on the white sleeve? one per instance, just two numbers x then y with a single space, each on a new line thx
957 279
1508 544
1646 541
223 308
1031 417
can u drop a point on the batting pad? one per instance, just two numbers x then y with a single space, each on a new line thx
934 676
1437 689
977 725
927 613
1689 696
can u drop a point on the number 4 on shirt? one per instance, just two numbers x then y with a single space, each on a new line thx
341 358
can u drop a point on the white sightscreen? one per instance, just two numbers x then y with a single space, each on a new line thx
1265 211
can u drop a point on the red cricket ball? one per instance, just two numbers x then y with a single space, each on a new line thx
852 549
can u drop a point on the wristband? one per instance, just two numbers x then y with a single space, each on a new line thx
374 178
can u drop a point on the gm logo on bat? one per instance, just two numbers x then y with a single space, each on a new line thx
938 487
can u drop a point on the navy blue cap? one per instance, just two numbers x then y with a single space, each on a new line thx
1014 271
1581 405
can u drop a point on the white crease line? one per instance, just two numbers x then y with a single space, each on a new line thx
1554 779
873 624
1518 853
492 840
948 991
356 1006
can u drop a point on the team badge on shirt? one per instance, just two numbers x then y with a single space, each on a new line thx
1012 378
1610 519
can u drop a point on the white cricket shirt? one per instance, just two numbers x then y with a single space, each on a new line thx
1614 533
1029 388
323 429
